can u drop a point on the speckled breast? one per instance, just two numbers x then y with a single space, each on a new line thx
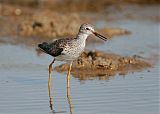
72 51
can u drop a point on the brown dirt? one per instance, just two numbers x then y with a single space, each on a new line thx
43 25
92 64
78 5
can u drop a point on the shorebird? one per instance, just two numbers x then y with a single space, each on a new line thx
69 49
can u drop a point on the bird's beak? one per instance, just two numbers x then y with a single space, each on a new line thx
100 36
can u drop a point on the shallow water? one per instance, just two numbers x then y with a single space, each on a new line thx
142 41
24 75
23 86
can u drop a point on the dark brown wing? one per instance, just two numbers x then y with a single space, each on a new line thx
55 48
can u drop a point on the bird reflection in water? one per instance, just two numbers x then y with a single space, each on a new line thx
51 99
69 100
49 91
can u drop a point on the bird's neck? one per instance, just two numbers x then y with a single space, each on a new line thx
82 36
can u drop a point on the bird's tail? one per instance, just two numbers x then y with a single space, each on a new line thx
44 46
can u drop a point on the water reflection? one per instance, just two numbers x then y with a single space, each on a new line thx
49 89
69 100
96 74
49 93
51 99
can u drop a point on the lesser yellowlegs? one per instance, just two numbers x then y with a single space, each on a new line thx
69 49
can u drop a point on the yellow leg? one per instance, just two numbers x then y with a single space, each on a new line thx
50 100
69 100
49 85
49 75
68 75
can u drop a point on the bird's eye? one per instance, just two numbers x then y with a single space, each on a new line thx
87 28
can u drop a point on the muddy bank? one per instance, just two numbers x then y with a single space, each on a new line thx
79 5
44 23
97 63
40 23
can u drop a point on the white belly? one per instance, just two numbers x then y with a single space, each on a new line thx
70 54
73 50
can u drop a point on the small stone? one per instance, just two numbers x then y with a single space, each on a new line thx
18 12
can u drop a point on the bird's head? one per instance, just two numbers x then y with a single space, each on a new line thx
89 29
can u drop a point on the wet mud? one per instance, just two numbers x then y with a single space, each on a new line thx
101 64
45 24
